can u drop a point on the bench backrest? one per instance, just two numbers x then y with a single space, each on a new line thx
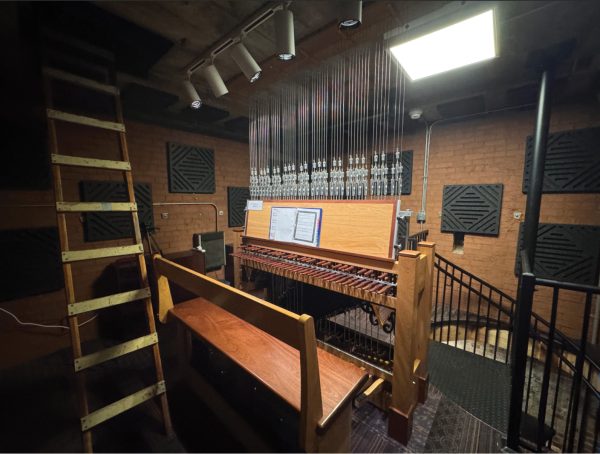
297 331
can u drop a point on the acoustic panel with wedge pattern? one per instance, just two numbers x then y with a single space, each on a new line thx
111 226
472 208
35 265
572 162
565 252
190 169
236 205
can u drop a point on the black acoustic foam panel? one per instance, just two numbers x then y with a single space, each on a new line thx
236 205
572 162
472 208
111 226
565 252
191 169
31 264
407 165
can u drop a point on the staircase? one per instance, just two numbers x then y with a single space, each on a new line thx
472 330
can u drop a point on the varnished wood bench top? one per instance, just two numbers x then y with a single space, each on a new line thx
269 360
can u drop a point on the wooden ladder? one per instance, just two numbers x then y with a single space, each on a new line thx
75 308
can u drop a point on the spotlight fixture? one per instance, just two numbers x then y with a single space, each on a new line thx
246 62
463 43
350 14
415 114
284 34
215 82
192 94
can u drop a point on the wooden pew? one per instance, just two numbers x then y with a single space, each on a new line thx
276 346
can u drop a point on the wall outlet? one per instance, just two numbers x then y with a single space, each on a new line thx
517 215
164 215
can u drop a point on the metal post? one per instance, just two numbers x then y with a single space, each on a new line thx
536 176
519 362
527 281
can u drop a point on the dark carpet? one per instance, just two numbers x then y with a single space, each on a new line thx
479 385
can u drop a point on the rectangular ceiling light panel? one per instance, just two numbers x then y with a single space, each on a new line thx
461 44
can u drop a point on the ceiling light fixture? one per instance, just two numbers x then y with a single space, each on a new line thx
245 61
463 43
284 34
193 98
215 81
350 14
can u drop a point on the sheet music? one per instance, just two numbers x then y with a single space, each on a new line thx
306 226
296 225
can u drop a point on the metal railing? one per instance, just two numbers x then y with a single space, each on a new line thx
470 313
557 383
414 239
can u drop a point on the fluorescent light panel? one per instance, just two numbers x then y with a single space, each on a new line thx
461 44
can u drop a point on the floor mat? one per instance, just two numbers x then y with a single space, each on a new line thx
479 385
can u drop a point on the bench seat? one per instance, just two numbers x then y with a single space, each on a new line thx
269 360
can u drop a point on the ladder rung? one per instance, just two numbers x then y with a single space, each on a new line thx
114 352
76 161
108 301
88 121
91 254
81 81
82 207
122 405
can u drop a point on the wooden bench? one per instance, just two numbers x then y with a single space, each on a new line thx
275 346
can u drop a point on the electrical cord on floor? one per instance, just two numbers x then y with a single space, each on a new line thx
40 325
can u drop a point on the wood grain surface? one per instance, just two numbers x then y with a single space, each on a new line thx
269 360
361 226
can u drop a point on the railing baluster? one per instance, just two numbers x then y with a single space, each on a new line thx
478 317
458 310
468 310
579 368
437 291
497 329
557 387
487 322
547 366
452 278
531 361
444 300
584 410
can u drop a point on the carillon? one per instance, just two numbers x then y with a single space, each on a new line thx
332 133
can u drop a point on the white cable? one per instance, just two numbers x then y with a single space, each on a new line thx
39 325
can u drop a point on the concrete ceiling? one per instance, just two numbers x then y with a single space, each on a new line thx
525 29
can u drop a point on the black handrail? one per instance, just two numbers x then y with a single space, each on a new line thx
554 359
477 304
463 301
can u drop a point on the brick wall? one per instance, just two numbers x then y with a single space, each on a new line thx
148 155
484 150
491 149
